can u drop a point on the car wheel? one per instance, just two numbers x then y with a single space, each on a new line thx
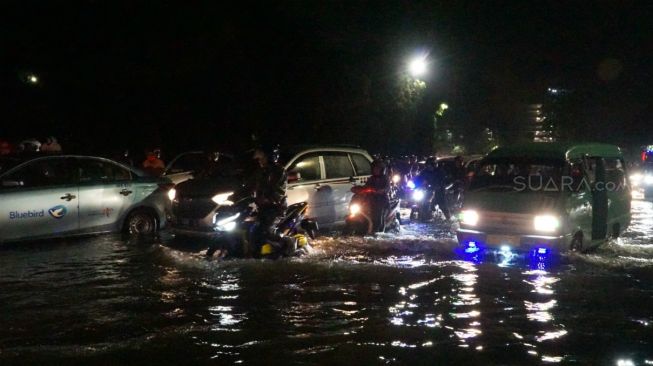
140 222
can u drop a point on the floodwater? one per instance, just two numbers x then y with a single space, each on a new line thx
400 300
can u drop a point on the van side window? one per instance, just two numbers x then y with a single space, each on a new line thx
308 167
337 165
590 165
615 173
576 174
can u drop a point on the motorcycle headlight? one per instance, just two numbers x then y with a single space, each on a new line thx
172 193
648 179
228 223
223 199
354 209
546 223
410 184
396 178
469 217
418 195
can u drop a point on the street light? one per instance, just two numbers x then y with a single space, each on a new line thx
418 66
32 79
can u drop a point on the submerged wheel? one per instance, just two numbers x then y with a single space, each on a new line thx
140 222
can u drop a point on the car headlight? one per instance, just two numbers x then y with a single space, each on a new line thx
648 179
354 209
636 178
228 223
546 223
469 217
410 184
418 195
172 193
396 178
223 199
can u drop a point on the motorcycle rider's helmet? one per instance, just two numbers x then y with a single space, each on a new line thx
378 168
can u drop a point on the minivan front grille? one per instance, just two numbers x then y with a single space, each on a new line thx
503 222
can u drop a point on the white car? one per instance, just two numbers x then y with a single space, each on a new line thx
322 176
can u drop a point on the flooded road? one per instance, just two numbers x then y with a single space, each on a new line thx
408 299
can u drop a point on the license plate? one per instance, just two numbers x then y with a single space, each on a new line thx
503 240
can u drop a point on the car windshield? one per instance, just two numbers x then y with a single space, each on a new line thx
518 174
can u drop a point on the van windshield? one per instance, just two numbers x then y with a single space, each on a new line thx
519 175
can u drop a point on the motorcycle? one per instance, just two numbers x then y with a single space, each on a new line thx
423 205
371 212
236 226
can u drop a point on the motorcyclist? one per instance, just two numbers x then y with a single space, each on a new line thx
435 177
51 145
458 177
153 165
380 183
269 189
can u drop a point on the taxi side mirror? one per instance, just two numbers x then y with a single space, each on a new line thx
294 177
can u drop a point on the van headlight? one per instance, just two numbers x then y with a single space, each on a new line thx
469 217
226 224
172 193
418 195
636 179
222 199
546 223
354 209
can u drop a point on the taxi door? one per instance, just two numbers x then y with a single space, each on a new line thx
39 199
105 194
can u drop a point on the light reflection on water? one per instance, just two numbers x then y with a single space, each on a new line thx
403 300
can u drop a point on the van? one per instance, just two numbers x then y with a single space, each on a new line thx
546 197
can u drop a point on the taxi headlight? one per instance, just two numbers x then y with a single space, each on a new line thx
172 193
223 199
546 223
354 209
418 195
469 217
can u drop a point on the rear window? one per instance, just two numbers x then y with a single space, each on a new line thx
337 165
362 165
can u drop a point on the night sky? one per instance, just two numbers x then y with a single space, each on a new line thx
188 74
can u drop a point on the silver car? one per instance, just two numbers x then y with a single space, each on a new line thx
64 195
321 176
